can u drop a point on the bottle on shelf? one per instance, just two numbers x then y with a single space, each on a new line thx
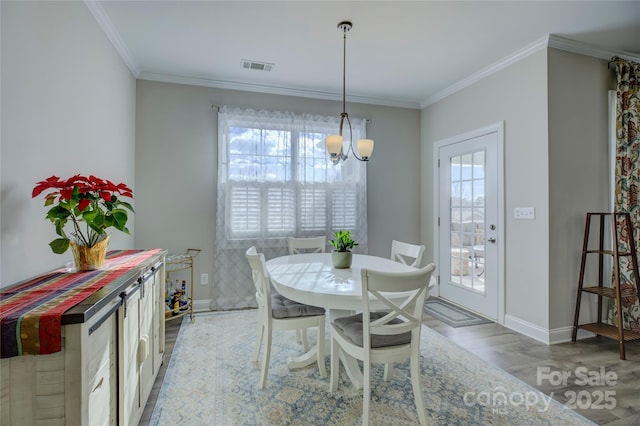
169 291
179 301
176 305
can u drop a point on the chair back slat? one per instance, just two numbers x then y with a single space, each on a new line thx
307 245
404 311
403 295
407 254
260 278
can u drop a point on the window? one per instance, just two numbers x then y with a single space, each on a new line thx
275 179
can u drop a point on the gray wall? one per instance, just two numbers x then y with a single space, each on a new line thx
517 95
176 167
554 105
68 106
578 172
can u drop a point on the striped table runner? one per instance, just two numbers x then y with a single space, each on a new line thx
31 311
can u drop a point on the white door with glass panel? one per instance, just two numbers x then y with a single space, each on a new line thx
468 210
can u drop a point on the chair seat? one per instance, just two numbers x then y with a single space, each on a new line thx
351 329
281 308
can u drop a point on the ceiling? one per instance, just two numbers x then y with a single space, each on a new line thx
399 53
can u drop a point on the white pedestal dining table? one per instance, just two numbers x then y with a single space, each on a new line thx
312 279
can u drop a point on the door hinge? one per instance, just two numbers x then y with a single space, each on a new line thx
438 163
438 220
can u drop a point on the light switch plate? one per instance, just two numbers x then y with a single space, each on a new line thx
204 279
524 213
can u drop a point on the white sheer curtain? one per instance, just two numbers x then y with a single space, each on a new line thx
274 181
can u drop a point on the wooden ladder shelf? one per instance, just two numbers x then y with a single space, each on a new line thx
620 224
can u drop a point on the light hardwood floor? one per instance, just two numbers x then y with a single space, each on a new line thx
528 360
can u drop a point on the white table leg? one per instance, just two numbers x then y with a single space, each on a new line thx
303 360
350 364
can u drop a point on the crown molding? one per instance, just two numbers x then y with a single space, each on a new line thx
519 55
547 41
277 90
112 34
561 43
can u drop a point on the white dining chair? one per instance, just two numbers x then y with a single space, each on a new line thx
387 336
300 246
307 245
407 254
276 312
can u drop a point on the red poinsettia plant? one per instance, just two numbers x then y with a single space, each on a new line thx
90 203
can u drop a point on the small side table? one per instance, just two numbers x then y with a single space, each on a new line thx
180 262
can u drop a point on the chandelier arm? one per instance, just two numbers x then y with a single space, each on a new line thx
353 151
350 148
342 117
343 155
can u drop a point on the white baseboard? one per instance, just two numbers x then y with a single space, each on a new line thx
563 334
541 334
528 329
202 305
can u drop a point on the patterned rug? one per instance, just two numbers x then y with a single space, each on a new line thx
211 380
451 314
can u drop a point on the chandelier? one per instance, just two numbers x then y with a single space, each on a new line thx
334 142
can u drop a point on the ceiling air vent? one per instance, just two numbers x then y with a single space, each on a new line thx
254 65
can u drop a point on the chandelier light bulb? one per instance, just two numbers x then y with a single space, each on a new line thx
365 148
334 145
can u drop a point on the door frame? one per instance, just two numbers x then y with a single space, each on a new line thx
497 128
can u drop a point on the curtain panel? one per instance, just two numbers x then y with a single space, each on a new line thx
627 178
275 181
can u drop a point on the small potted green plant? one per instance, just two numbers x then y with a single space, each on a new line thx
342 243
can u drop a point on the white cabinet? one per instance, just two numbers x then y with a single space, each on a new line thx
72 387
157 320
139 342
146 353
112 350
128 374
33 390
90 367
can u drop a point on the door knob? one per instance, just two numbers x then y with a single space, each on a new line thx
492 240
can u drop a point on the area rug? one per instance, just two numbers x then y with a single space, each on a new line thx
211 380
451 314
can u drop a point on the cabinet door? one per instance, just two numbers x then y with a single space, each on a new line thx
101 374
90 374
128 371
145 350
158 320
